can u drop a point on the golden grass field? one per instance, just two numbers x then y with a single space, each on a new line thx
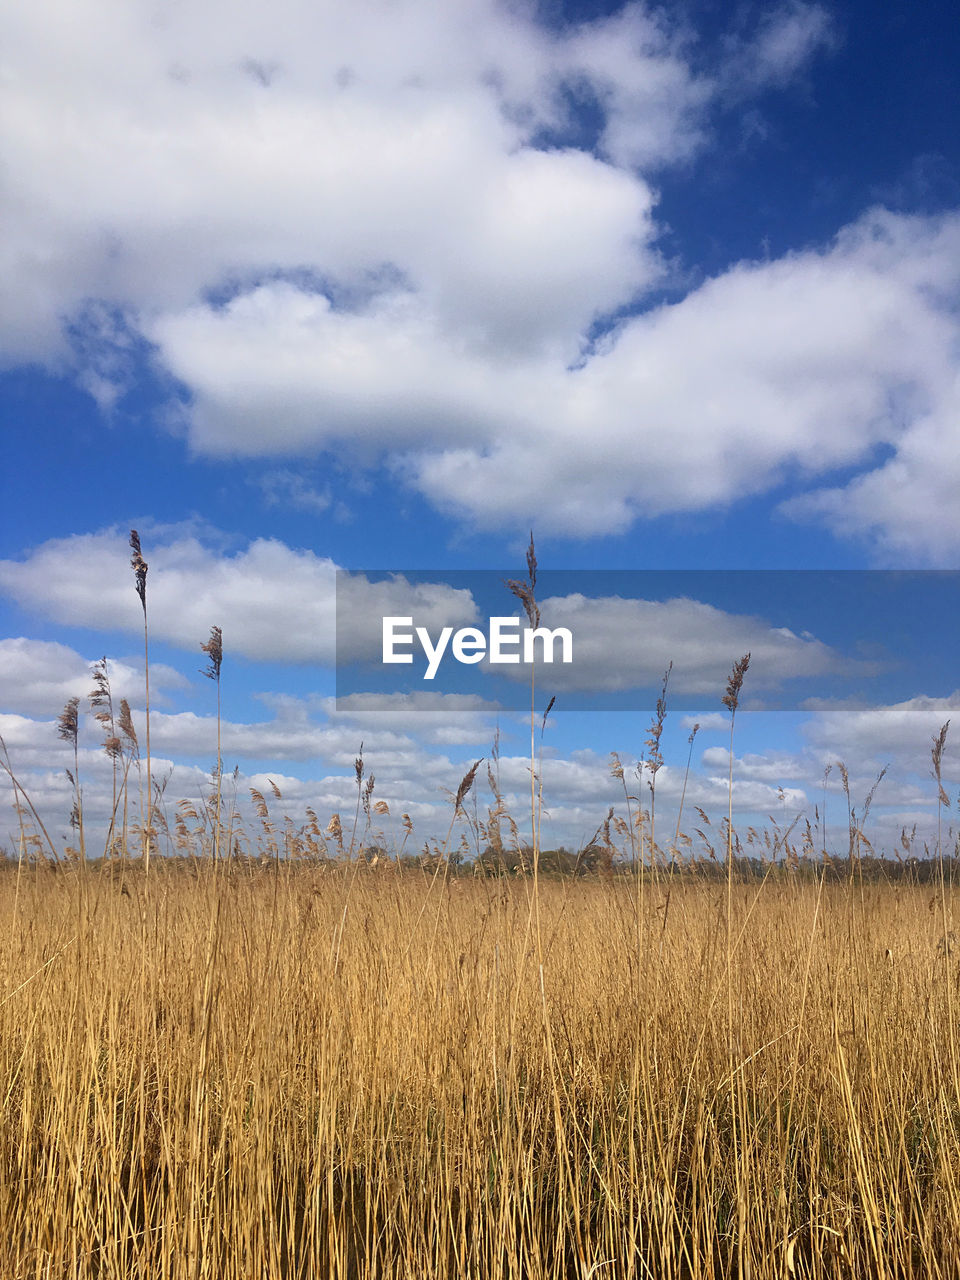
288 1054
280 1071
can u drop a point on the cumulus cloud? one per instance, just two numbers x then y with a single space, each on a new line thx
773 371
901 733
272 602
383 232
443 719
277 603
37 677
153 158
289 737
622 643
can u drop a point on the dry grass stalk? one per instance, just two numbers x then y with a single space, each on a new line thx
140 569
213 648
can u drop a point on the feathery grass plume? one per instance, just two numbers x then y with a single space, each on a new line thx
495 812
213 648
606 841
263 813
466 782
943 800
655 757
68 722
358 770
318 842
335 829
936 755
539 772
526 591
616 771
731 700
809 846
140 568
368 795
128 733
406 823
101 704
125 721
851 818
100 698
68 728
865 813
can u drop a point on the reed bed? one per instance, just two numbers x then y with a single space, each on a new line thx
272 1070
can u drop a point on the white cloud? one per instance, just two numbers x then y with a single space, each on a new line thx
277 603
153 157
772 372
39 676
408 244
773 768
907 506
707 722
271 601
288 737
289 489
443 719
900 734
783 45
622 643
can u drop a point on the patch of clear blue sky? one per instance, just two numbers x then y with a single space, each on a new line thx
876 119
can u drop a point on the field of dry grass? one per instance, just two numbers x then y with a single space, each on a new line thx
272 1071
277 1057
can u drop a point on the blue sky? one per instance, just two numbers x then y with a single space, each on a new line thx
384 286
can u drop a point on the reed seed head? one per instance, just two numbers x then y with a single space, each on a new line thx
526 591
68 723
125 722
731 699
466 783
140 567
936 754
213 648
